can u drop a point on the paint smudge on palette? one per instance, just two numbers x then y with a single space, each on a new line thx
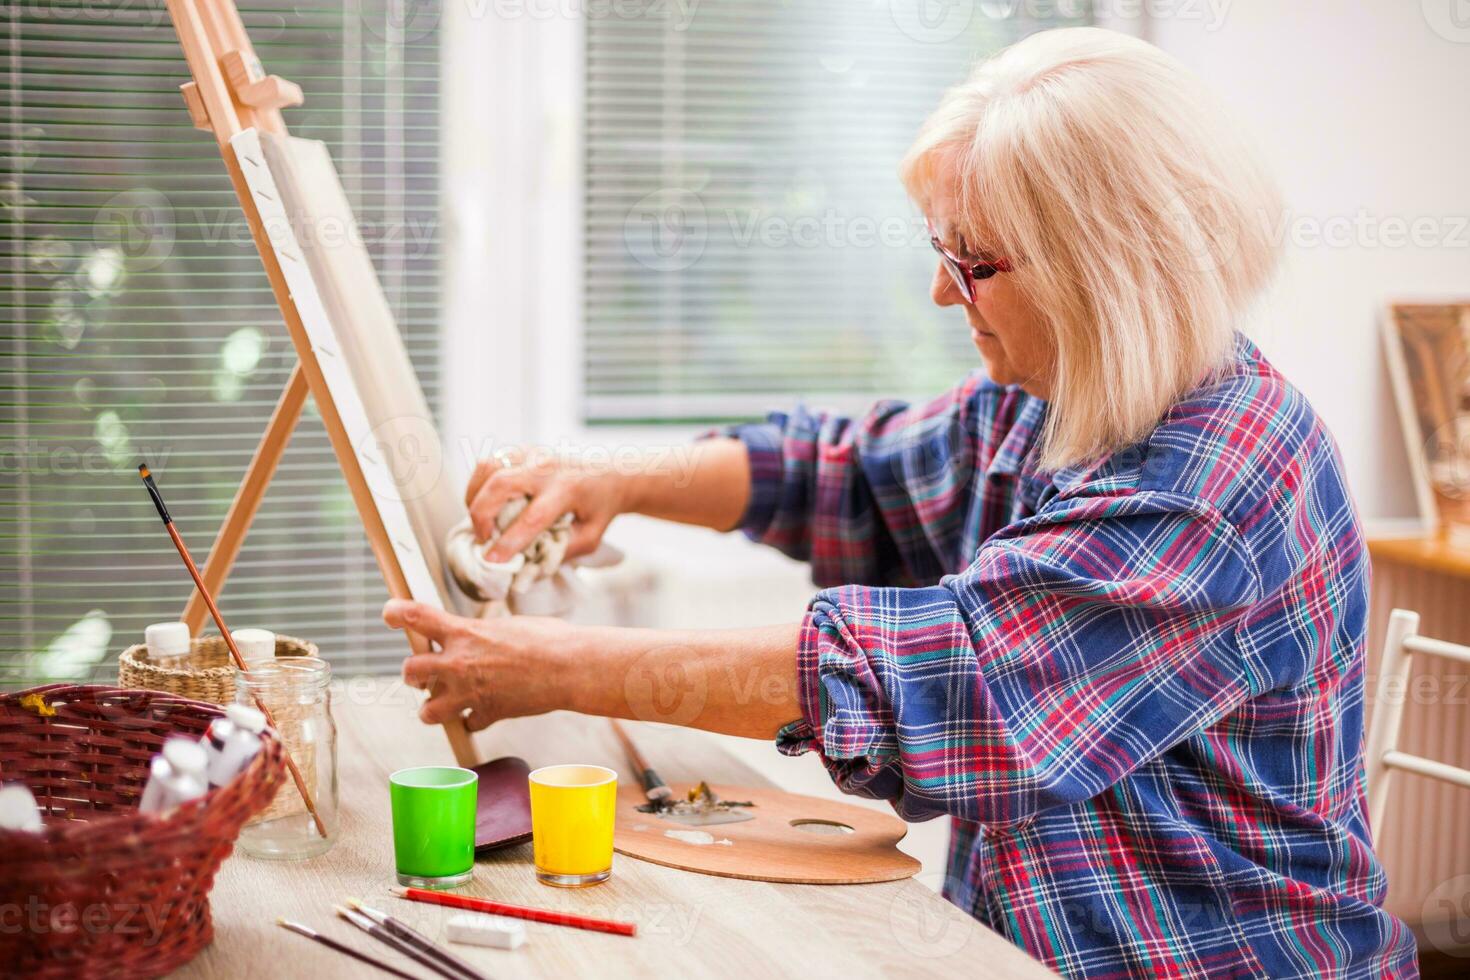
699 837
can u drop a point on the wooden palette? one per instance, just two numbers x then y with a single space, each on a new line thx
773 846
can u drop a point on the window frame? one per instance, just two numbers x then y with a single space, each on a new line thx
515 239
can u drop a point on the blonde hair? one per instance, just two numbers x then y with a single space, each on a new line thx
1140 215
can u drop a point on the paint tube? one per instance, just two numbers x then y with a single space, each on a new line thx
18 810
231 742
176 775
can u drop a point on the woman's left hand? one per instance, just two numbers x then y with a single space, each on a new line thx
485 670
740 682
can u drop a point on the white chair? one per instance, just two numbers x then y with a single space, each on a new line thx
1383 755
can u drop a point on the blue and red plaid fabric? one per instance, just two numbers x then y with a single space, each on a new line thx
1136 686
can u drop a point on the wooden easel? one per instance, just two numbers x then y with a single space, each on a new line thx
230 94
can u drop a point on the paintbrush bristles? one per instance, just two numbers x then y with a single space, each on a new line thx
356 918
362 909
153 493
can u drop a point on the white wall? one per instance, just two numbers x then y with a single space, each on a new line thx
1361 106
511 178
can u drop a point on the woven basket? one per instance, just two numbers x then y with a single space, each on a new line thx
104 890
207 674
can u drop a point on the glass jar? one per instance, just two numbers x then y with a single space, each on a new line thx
296 696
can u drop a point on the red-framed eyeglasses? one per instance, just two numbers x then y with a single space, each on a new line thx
965 272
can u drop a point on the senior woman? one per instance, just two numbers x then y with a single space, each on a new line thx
1103 603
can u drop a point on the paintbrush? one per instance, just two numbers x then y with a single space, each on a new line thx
702 809
317 937
654 787
387 938
173 532
410 935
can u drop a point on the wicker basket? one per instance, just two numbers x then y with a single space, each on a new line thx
207 674
105 890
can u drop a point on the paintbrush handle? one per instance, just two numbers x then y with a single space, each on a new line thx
654 788
317 937
239 658
387 938
411 935
219 620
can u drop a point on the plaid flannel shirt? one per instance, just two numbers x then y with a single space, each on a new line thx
1135 686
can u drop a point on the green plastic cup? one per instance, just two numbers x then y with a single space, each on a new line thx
433 825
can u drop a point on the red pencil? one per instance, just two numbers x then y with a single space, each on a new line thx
517 911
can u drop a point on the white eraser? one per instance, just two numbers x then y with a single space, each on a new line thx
479 929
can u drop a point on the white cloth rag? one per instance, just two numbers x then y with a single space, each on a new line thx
537 582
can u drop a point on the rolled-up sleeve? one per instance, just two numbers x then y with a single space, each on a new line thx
763 448
1079 644
879 500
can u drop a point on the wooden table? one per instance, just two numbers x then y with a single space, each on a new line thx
1430 552
688 924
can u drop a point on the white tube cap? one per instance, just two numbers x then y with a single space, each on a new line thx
479 929
256 645
185 755
246 717
167 640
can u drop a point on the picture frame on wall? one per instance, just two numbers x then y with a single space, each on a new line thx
1427 349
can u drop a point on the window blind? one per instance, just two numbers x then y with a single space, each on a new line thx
138 324
747 239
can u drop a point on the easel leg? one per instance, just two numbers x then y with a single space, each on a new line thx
247 499
227 543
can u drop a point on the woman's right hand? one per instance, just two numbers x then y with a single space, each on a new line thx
705 483
593 495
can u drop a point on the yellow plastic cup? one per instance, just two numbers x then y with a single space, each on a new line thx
572 811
